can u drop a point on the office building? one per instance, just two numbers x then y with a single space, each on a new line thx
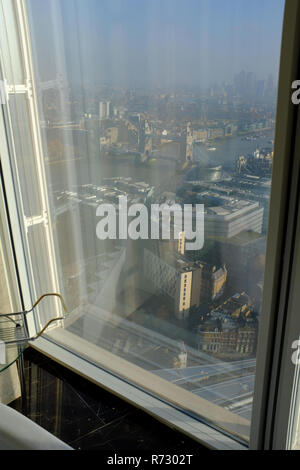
184 283
227 216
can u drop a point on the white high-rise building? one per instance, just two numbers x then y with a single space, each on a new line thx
108 109
102 110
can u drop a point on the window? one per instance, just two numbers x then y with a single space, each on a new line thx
114 109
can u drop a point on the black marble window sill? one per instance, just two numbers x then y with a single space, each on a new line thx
87 417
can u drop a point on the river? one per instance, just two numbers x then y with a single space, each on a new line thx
67 175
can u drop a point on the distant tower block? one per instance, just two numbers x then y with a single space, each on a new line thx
181 243
189 143
141 135
102 109
108 109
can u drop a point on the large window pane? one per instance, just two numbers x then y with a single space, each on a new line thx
162 102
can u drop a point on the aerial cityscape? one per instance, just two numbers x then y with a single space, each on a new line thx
162 103
181 314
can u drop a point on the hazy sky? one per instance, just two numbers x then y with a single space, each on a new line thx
157 42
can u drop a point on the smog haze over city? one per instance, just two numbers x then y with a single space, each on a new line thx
167 44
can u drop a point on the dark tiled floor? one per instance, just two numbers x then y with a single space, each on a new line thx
89 418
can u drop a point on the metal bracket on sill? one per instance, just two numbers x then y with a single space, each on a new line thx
13 326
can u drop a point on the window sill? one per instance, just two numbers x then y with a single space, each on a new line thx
58 344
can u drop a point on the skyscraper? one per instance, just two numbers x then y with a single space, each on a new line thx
102 110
